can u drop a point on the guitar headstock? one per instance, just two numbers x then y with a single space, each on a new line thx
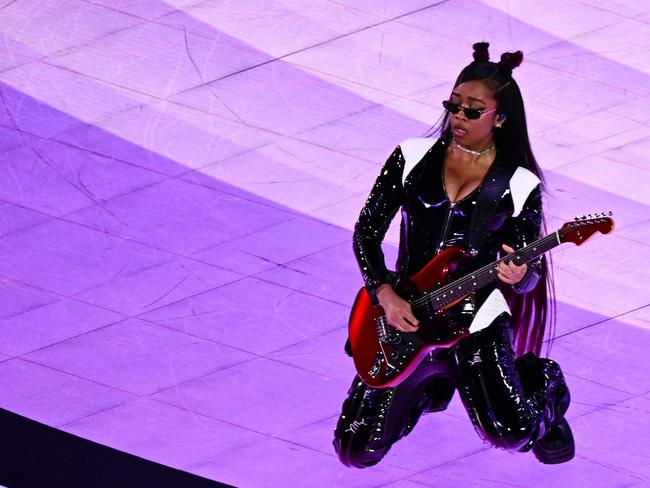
584 226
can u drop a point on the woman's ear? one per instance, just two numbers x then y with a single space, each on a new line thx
500 120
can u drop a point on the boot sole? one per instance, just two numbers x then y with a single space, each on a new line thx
556 456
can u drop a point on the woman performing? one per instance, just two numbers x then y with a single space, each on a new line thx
479 188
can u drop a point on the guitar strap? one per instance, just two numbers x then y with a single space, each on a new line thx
492 191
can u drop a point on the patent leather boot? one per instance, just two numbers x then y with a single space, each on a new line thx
544 383
359 435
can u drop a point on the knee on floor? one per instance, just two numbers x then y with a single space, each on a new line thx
355 456
511 436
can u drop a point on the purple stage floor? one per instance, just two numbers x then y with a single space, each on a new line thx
180 183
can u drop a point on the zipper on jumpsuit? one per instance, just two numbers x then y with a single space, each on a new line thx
479 373
441 241
445 227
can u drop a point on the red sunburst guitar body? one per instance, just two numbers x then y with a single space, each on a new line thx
384 362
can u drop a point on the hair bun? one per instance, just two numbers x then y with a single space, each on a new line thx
481 54
510 61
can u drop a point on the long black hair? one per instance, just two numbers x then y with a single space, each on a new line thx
531 311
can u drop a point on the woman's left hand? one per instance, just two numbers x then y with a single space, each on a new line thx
511 273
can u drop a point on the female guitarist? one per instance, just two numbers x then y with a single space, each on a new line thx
476 187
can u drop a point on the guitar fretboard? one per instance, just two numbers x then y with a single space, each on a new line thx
485 275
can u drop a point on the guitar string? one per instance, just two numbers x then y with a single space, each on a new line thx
540 243
481 272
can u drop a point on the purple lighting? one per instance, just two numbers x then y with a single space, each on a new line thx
180 182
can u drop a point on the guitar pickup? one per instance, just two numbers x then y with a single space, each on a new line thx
376 367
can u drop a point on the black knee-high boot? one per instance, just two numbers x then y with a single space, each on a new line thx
491 391
372 420
516 405
544 384
359 437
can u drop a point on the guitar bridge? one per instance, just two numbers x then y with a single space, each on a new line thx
385 333
381 327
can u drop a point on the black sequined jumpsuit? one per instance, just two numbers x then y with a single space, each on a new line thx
505 399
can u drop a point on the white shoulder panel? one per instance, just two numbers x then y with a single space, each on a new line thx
494 305
521 184
413 151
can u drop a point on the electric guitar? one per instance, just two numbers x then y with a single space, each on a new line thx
384 356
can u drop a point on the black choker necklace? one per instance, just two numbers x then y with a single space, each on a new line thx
471 151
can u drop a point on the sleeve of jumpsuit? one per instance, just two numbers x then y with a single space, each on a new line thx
373 222
521 231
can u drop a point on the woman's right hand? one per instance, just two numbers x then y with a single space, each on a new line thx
397 310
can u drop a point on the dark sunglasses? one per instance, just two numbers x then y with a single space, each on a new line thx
470 113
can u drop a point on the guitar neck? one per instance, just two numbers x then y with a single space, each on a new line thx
487 274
